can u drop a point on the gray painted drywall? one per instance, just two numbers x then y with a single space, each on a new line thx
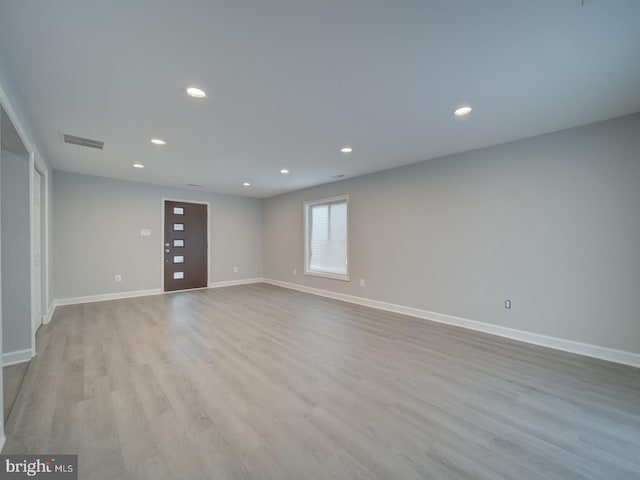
16 259
551 222
97 223
12 96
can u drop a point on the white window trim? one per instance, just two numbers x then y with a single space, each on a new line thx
305 211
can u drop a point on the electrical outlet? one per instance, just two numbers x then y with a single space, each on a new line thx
507 304
118 278
362 282
235 269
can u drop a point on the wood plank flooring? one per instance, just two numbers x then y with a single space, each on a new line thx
12 377
259 382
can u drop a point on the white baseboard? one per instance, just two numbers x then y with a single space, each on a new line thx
139 293
107 296
595 351
231 283
49 315
19 356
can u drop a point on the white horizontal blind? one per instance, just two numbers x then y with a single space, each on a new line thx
327 237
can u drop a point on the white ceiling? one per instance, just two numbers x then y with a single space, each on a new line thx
289 82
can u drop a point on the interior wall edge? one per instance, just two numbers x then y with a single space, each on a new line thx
570 346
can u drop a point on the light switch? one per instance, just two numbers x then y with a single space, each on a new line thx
145 233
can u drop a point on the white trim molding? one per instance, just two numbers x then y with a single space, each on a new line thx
19 356
141 293
49 315
232 283
107 296
595 351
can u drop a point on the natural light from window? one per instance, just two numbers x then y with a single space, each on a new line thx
326 237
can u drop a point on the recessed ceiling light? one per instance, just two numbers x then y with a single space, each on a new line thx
346 150
284 171
138 165
196 92
246 184
462 111
158 141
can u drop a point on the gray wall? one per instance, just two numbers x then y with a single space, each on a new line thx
9 92
16 256
96 231
551 222
12 92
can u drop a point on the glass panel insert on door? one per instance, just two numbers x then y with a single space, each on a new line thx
185 245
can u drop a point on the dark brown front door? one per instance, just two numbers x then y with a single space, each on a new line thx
185 245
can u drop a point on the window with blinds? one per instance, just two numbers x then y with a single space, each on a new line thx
326 237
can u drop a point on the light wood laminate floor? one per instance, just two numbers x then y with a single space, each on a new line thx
12 377
259 382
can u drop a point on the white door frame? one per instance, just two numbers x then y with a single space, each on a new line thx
162 247
38 288
35 163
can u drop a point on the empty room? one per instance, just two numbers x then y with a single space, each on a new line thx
320 240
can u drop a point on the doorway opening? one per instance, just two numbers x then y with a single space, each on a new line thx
15 258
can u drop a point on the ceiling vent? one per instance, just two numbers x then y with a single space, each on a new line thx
83 142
